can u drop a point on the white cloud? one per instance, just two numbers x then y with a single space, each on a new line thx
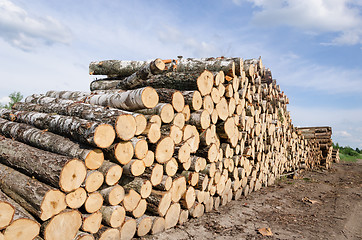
313 16
26 31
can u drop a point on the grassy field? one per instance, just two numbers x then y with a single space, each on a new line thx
349 158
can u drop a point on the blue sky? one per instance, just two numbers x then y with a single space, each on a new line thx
313 47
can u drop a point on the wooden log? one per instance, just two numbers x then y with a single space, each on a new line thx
146 71
200 119
131 200
121 152
128 229
172 215
140 209
104 84
130 100
92 222
163 150
106 233
154 174
113 216
112 172
140 147
93 158
192 137
116 67
197 163
63 226
208 104
93 181
152 132
172 131
18 222
142 186
172 96
193 99
149 158
113 195
164 110
159 202
126 124
81 236
189 197
182 152
135 168
179 120
56 170
144 225
76 198
211 64
184 217
93 133
202 82
178 188
165 184
158 224
171 167
187 112
210 153
197 210
93 202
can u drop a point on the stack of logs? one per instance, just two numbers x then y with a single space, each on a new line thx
320 141
153 144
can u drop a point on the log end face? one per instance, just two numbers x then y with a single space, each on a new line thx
94 159
164 150
76 198
22 229
196 101
104 135
205 82
178 101
124 152
141 124
63 226
113 175
167 113
6 214
72 175
149 97
53 203
126 127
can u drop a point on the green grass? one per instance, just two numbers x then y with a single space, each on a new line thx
349 158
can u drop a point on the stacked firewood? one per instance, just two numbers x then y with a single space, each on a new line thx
154 143
320 141
335 155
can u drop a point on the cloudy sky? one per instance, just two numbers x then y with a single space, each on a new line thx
313 47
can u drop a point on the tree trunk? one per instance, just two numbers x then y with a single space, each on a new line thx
56 170
113 195
37 198
112 172
93 133
164 110
193 99
142 186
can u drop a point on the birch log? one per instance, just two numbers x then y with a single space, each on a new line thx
93 133
92 157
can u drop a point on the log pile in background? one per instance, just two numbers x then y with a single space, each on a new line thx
320 141
153 144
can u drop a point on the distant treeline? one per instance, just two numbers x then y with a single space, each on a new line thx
347 150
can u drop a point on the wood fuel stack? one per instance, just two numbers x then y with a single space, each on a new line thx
153 144
320 140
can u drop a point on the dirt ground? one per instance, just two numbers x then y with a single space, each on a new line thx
317 205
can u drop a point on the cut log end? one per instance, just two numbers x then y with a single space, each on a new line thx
72 175
158 225
172 215
22 229
93 202
141 123
94 159
113 175
205 82
94 181
63 226
144 225
124 152
126 127
167 113
76 198
6 214
128 229
52 204
164 150
149 97
92 223
178 101
104 135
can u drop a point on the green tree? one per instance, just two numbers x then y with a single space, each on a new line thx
14 98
